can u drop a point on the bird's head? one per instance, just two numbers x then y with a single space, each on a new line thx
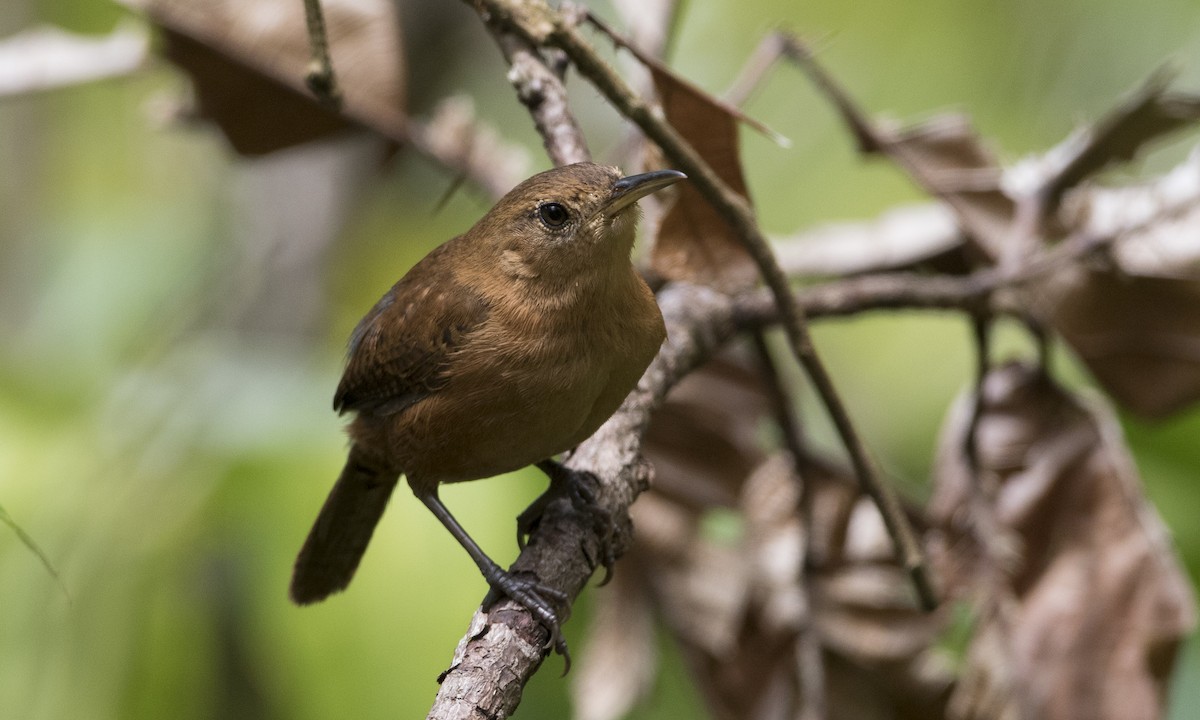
567 221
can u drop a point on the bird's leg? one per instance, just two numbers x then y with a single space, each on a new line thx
527 592
577 486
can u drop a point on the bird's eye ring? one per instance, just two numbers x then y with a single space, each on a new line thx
553 214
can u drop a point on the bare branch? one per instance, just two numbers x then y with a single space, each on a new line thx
540 88
504 645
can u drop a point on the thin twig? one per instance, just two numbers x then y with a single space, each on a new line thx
320 78
763 59
36 549
981 326
810 664
540 89
785 413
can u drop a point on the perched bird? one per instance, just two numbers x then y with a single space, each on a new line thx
505 346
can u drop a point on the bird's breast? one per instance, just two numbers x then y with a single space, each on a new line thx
530 384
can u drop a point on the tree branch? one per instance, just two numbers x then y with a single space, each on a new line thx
540 89
504 645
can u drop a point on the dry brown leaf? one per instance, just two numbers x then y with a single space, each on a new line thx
248 59
1135 321
619 662
1099 602
710 592
1118 136
877 644
1138 334
798 595
946 156
989 687
693 241
898 238
706 438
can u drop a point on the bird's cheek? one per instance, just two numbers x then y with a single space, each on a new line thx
516 265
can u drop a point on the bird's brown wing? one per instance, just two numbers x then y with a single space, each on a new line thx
399 351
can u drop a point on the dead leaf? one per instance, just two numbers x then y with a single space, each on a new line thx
619 662
1099 603
1153 223
899 238
943 155
947 158
1138 334
248 60
693 241
1134 319
802 605
706 439
1149 113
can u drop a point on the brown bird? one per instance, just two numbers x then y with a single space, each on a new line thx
505 346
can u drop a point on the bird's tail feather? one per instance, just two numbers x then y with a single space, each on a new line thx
342 531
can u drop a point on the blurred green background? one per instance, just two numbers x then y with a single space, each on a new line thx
169 356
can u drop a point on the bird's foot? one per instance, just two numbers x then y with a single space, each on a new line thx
579 486
535 597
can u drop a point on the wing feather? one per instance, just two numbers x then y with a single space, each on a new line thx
399 352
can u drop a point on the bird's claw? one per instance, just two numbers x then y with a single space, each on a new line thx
533 596
579 487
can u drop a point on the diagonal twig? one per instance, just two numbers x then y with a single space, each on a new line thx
540 89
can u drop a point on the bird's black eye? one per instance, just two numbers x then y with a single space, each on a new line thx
553 214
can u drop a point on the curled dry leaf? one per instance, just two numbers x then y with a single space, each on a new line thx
693 241
248 59
1150 112
707 437
1136 321
1152 221
782 603
1138 334
997 209
1099 603
944 155
618 665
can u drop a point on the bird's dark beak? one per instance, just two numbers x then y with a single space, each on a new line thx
629 190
